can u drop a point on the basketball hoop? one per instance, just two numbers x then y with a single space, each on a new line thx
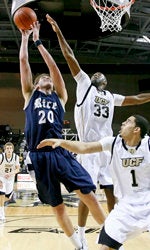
111 12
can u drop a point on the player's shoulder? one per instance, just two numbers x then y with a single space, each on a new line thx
108 93
15 154
82 75
146 140
2 155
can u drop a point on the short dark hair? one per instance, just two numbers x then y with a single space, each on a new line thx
143 123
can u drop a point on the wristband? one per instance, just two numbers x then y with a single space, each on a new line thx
37 43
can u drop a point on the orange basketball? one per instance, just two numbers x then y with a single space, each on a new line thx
24 17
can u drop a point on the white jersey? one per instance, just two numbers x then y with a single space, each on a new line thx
8 166
130 169
94 111
93 115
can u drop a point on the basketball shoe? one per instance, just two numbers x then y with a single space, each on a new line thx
84 245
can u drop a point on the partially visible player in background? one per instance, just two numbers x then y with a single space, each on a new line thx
94 112
9 167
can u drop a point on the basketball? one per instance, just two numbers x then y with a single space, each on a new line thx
24 17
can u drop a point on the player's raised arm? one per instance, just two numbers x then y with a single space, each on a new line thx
65 48
25 70
54 71
136 99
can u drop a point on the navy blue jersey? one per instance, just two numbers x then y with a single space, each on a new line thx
44 119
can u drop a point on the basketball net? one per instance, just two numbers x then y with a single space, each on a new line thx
111 12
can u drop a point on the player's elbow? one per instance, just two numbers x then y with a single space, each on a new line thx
23 58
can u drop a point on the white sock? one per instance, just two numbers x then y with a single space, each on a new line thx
81 232
75 240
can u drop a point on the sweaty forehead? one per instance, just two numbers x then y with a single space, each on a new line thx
131 119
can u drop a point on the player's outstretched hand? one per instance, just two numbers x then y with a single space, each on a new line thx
49 142
52 22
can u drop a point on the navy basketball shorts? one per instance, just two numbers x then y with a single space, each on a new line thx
55 167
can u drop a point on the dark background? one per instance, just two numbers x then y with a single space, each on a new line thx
122 56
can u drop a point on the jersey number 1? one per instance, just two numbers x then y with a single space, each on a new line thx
134 184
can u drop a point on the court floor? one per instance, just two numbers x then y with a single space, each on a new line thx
32 226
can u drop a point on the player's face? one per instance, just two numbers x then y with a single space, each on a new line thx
9 150
45 82
99 81
128 128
